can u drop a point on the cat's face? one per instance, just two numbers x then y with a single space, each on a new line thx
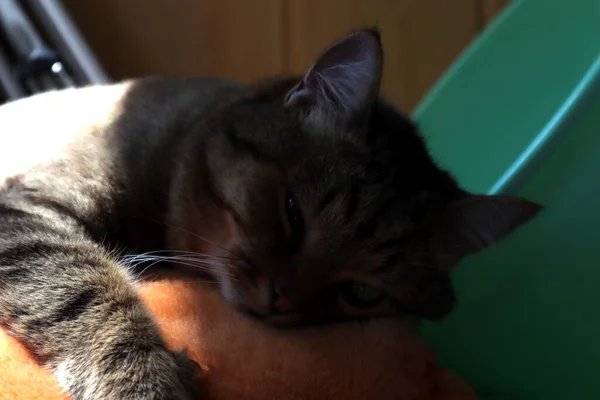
325 204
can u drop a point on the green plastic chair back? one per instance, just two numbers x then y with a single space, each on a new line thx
519 113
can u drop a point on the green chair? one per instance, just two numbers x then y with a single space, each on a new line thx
519 113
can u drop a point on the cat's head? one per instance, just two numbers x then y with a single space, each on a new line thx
321 202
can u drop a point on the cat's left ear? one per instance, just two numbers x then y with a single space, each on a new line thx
474 223
343 83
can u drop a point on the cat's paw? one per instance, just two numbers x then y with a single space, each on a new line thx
189 372
161 375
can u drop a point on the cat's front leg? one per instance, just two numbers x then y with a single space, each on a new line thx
76 308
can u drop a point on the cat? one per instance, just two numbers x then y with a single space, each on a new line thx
306 200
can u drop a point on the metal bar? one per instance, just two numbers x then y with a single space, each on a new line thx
36 62
9 85
68 41
20 33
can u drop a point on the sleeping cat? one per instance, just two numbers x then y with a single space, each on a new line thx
307 200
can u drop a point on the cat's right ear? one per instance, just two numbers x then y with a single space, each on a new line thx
343 83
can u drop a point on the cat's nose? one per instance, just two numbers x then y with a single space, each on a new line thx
279 302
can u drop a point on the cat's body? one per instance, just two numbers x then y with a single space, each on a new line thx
69 181
122 137
310 199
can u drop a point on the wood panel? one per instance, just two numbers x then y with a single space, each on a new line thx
238 39
488 10
421 37
245 40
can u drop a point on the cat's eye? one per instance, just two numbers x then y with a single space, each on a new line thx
361 295
295 221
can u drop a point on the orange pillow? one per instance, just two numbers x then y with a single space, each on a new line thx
246 360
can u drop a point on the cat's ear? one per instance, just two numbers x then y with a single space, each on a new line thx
474 223
344 81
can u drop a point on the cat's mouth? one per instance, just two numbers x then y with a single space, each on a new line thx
274 316
283 320
273 313
261 302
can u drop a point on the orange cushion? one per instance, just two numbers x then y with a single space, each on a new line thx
245 360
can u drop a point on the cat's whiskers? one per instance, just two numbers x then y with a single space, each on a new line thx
236 257
197 236
168 251
172 257
241 257
205 259
173 253
191 260
134 266
204 264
